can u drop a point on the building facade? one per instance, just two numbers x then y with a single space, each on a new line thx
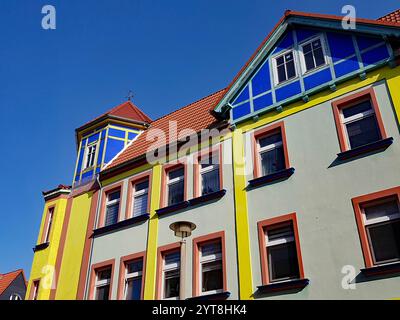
290 174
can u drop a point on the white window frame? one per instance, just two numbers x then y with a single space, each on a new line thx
49 224
266 148
275 67
176 266
15 296
214 166
302 58
215 257
102 283
354 118
138 194
132 275
111 203
174 181
87 150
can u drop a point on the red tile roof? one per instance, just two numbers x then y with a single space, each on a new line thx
7 278
195 116
391 17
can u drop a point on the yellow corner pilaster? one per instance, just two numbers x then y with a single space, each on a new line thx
242 223
152 238
394 89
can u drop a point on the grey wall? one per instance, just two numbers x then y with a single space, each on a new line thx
16 287
320 194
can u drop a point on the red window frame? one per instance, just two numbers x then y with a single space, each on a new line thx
197 243
34 294
261 133
104 194
131 184
45 237
348 101
370 199
210 151
268 223
166 169
122 269
98 267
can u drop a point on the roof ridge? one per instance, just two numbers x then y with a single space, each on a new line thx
18 270
188 105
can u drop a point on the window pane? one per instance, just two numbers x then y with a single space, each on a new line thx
212 276
307 48
171 285
104 274
282 261
358 108
319 57
135 266
281 73
172 258
176 173
111 214
211 248
102 292
140 205
210 182
114 196
291 72
176 192
309 60
271 139
279 233
381 210
134 289
280 60
142 185
363 131
289 56
272 161
385 241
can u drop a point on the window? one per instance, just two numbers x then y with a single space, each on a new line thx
284 67
209 270
358 120
175 186
140 198
90 155
280 249
15 296
102 284
50 215
270 151
313 54
378 221
133 280
209 174
36 286
211 274
171 275
112 208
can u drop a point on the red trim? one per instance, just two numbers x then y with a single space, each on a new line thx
358 203
104 195
197 243
122 268
262 225
348 101
97 267
161 252
166 169
209 151
131 182
46 230
263 132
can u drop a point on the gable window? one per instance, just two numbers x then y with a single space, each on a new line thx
90 155
171 275
112 207
358 120
50 216
280 249
378 221
36 285
175 186
284 67
313 54
270 151
133 279
102 284
140 198
15 296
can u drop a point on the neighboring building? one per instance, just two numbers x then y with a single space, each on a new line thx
13 285
295 193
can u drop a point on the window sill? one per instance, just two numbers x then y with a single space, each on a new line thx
173 208
41 246
390 268
289 285
208 197
373 146
212 296
120 225
280 175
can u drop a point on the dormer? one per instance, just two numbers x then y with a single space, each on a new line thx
101 139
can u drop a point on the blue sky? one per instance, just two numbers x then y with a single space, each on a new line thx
169 53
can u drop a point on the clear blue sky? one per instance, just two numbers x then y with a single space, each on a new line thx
169 53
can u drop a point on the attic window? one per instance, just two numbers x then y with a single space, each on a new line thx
284 67
90 155
313 54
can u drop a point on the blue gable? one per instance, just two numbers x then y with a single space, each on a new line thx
346 55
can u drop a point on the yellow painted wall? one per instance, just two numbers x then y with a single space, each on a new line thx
67 285
44 260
